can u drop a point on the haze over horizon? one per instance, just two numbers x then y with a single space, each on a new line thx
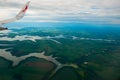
74 11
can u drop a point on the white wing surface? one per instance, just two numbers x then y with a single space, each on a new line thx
18 16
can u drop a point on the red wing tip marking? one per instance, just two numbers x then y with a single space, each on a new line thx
25 9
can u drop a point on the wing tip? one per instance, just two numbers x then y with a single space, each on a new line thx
28 2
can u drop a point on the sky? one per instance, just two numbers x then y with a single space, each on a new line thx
78 11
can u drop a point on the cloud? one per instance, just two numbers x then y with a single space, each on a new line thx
65 10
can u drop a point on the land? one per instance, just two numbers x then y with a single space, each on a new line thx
85 53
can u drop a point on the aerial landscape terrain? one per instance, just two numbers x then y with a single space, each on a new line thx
60 53
59 39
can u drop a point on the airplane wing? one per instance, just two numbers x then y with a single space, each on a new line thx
18 16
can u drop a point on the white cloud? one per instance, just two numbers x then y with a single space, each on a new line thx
53 10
